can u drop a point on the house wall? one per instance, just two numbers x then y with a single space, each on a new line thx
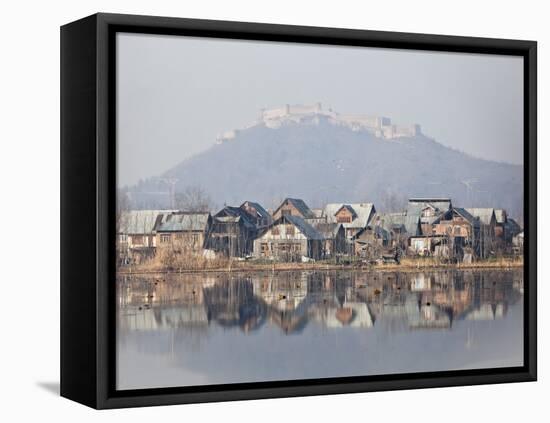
455 227
287 207
231 239
344 216
191 241
286 240
140 240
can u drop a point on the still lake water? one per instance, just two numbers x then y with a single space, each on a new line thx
213 328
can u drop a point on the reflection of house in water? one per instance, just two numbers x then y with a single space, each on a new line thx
232 303
293 300
352 314
284 296
301 298
428 316
488 312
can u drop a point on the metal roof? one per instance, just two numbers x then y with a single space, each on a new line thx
234 214
465 214
363 213
182 221
309 231
416 205
484 214
262 213
300 205
139 221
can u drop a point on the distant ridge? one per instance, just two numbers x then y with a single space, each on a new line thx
314 157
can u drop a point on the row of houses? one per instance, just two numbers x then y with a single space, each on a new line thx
295 232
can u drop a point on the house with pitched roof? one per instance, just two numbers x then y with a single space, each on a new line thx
353 216
289 238
135 234
398 226
461 232
293 207
427 210
186 230
488 223
334 238
232 232
260 216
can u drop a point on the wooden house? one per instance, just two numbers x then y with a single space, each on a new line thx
135 234
289 238
505 227
461 229
511 229
427 211
399 226
334 238
486 239
293 207
259 215
232 232
458 223
353 217
185 230
371 242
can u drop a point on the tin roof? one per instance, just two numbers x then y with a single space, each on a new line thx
484 214
262 213
465 214
363 213
309 231
234 214
182 221
139 221
300 205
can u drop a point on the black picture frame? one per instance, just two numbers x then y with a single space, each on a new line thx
88 205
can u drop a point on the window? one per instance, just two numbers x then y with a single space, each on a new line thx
275 230
343 219
137 239
123 237
165 238
195 239
290 230
286 212
457 230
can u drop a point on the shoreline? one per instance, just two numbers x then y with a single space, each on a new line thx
296 267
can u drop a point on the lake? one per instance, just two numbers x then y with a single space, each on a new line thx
217 328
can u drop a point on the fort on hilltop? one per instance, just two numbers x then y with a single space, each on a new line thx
379 126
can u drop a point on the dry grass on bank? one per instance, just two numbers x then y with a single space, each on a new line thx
167 262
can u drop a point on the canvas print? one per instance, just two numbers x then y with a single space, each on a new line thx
292 211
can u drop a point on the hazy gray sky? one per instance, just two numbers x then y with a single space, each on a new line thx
175 94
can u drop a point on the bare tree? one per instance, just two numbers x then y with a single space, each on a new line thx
194 199
121 222
392 202
122 207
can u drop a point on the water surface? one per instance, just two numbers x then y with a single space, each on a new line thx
216 328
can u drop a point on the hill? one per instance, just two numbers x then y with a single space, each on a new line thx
323 162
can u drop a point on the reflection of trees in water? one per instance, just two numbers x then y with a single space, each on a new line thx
333 299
